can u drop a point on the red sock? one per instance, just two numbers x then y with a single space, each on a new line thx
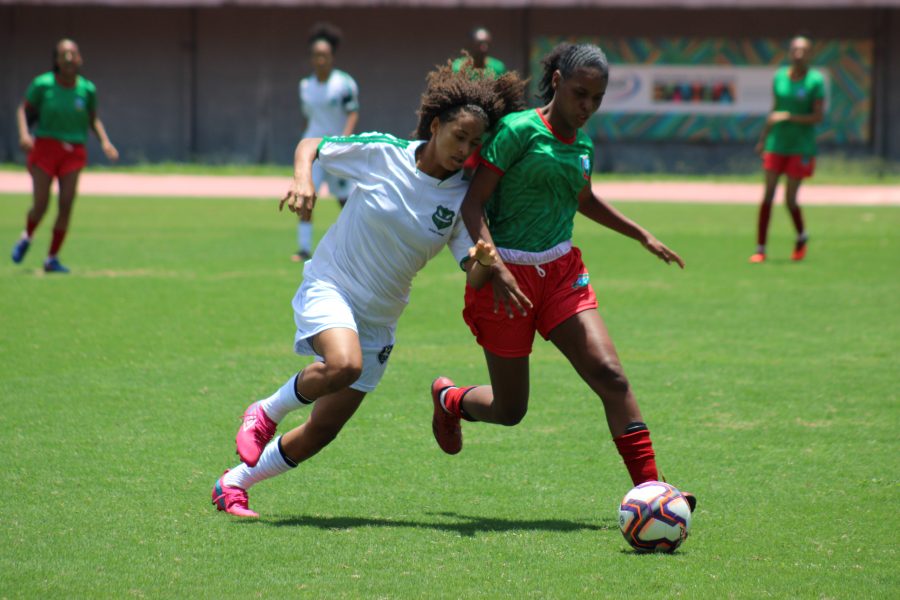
30 226
762 226
797 217
637 453
453 399
56 243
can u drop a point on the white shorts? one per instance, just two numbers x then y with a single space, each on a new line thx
337 186
319 306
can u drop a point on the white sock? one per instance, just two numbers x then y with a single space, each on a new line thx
442 395
803 237
271 463
761 249
283 401
305 236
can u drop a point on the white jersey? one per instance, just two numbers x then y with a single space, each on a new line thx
396 219
327 104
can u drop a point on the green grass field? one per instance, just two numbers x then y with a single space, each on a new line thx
771 392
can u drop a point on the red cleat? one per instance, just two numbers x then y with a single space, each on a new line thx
759 257
446 427
799 252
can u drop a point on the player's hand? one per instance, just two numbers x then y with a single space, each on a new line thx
507 292
660 250
777 116
110 151
26 142
300 199
484 253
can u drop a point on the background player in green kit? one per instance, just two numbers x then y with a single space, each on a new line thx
534 175
64 106
788 141
478 58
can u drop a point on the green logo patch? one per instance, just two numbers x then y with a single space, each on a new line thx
443 217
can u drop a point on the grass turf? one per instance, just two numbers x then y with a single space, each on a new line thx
770 391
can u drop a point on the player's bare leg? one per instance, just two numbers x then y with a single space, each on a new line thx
41 183
68 188
790 200
342 366
765 214
329 415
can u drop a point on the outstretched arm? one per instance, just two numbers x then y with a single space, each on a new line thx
599 210
301 195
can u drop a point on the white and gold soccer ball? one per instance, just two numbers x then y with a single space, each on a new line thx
654 517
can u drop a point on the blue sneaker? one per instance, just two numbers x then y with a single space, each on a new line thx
20 249
52 265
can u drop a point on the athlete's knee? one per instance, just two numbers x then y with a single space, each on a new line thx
611 376
511 414
342 371
513 418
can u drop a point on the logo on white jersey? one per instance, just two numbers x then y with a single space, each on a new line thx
443 217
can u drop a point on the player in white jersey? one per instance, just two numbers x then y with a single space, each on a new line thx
402 212
329 99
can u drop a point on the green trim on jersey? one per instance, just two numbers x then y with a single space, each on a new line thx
366 138
492 65
64 113
533 207
797 98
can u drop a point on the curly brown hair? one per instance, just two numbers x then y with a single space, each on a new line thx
471 90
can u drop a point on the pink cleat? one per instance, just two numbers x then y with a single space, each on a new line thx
446 427
255 432
232 500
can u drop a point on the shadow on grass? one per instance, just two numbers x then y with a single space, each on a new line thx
456 523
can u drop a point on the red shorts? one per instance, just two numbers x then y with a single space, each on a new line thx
795 166
57 158
562 291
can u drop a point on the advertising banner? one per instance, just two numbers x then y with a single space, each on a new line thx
717 90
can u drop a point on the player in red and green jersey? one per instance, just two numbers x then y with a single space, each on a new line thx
788 141
534 176
64 106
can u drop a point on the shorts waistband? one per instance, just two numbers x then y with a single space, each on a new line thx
522 257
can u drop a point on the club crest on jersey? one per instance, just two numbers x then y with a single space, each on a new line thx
442 217
385 353
583 280
585 166
79 103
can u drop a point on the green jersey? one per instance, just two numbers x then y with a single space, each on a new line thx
492 66
797 98
64 113
533 206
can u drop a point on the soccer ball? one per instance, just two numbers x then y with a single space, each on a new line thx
654 517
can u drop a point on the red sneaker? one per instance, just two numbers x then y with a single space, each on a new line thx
256 430
232 500
759 257
446 427
799 251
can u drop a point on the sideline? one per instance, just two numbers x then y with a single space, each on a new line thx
272 188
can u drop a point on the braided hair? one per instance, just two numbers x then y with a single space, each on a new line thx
328 33
568 58
448 93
